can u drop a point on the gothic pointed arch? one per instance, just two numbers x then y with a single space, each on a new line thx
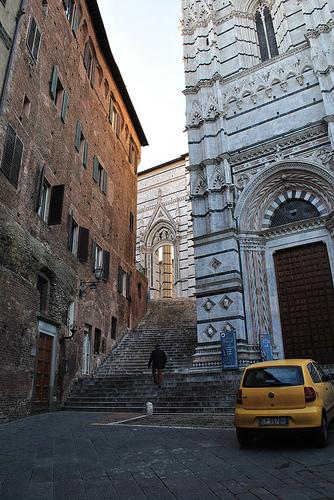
286 179
161 222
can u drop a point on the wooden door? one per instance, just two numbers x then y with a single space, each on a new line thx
43 373
306 299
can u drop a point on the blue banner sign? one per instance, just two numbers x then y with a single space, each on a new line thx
266 347
229 350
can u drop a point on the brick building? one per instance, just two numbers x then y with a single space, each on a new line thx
70 144
260 120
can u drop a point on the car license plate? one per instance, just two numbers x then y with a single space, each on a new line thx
274 420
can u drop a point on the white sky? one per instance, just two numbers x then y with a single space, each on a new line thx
146 43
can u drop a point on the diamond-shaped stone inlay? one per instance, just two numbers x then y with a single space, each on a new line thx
208 305
228 328
215 263
226 302
210 331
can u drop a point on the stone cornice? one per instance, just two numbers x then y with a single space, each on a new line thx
322 28
217 77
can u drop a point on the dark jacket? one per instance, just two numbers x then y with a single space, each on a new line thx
157 359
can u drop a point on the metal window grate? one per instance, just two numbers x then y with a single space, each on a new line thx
292 211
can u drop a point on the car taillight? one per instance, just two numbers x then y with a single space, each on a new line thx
239 397
310 394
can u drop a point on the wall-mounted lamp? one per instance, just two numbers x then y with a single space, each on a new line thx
73 329
85 285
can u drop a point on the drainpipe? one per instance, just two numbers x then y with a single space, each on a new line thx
19 14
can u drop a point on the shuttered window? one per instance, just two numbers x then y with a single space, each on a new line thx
100 175
12 156
56 205
33 39
81 145
58 94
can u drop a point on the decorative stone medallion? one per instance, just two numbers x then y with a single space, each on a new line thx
208 305
226 302
228 328
210 331
215 264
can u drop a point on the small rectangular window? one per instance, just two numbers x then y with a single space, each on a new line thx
113 332
97 341
12 156
56 205
81 144
44 200
33 39
104 346
73 237
98 258
59 95
133 154
100 175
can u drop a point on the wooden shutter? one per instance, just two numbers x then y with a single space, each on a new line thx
104 181
106 265
87 57
54 83
111 110
85 155
39 188
56 204
8 152
31 35
70 231
93 256
128 286
64 107
96 164
83 244
120 280
78 136
17 158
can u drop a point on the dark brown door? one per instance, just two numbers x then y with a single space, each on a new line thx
43 373
306 298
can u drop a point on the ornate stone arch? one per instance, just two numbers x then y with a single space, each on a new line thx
283 177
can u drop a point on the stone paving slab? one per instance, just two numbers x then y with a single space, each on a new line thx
171 419
67 456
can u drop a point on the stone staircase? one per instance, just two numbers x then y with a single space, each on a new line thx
124 383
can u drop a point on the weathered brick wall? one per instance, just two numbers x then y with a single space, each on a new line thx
27 244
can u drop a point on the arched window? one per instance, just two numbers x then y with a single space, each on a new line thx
90 62
265 32
293 211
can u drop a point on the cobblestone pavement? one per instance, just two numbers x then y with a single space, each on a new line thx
61 456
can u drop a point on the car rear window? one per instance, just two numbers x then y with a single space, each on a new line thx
276 376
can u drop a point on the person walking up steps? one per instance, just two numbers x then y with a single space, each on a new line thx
158 361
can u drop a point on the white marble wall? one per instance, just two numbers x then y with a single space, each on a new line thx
256 130
163 201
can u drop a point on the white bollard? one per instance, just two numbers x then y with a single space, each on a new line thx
149 408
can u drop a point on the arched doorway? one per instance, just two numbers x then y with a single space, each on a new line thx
287 253
161 261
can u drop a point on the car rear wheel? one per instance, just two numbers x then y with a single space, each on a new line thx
321 433
244 436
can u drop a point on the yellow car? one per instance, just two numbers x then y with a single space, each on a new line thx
287 394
